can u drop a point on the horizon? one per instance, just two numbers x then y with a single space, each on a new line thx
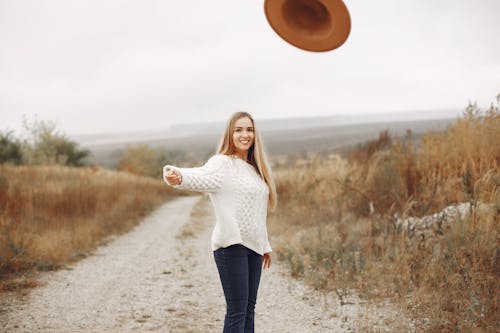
180 130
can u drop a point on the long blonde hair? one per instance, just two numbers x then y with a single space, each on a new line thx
256 154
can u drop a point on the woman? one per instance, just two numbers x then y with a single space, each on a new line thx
241 187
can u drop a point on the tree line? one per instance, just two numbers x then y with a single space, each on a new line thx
41 144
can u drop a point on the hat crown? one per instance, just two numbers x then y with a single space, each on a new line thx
313 25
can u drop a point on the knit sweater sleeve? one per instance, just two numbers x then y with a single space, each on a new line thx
207 178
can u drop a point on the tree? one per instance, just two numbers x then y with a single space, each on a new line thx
10 148
45 145
140 160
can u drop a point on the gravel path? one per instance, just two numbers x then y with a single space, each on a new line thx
161 277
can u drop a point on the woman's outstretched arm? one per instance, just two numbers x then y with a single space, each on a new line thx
207 178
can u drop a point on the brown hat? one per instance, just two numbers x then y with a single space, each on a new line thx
312 25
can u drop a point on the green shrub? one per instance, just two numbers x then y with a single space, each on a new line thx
10 149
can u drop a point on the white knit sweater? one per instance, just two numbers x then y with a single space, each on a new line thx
239 196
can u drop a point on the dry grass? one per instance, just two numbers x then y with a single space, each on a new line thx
336 223
50 215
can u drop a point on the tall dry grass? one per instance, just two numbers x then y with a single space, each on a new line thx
50 215
336 223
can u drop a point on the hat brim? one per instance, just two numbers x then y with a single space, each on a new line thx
332 34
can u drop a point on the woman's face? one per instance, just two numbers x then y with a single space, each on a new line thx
243 134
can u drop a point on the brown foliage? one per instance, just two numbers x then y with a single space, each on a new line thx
52 214
365 151
140 160
336 225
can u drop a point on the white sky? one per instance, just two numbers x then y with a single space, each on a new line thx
116 65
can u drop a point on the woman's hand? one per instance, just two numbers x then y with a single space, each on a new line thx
266 260
172 176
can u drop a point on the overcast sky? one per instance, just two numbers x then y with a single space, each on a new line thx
116 65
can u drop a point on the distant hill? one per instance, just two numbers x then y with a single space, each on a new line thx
316 122
264 125
281 136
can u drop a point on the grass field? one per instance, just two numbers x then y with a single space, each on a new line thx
50 215
335 223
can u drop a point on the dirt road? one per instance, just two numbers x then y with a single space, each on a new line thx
161 277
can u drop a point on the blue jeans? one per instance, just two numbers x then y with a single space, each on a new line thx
239 271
